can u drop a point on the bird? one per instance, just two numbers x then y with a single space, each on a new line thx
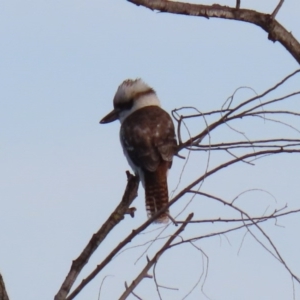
148 139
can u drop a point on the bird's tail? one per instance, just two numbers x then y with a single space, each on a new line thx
156 191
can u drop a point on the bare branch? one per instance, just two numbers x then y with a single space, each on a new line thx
225 165
112 254
204 273
267 103
102 282
175 199
259 148
273 88
275 30
151 262
134 294
3 293
117 216
277 255
274 13
274 215
230 116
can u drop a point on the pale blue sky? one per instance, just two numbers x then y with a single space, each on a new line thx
62 173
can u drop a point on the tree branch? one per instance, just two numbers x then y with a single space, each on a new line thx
274 215
276 32
3 293
277 9
228 114
117 216
156 257
277 254
127 240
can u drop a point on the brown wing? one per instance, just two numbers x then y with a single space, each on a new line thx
148 136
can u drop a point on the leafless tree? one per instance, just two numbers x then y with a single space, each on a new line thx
239 149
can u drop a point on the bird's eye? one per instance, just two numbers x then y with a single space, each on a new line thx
126 105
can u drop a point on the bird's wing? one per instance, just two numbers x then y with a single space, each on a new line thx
148 137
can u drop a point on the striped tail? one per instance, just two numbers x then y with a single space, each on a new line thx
156 192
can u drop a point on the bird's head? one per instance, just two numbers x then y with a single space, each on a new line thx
131 95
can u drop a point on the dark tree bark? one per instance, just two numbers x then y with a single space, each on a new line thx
3 293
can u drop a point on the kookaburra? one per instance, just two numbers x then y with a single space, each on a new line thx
148 139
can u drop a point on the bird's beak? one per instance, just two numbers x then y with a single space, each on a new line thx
112 116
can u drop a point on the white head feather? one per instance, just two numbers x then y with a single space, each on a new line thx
137 92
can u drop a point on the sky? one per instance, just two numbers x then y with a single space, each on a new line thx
62 174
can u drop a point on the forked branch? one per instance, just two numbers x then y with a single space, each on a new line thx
154 260
276 32
245 109
117 216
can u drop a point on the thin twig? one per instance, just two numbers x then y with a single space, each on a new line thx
276 10
102 282
274 215
255 223
203 273
229 116
151 262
